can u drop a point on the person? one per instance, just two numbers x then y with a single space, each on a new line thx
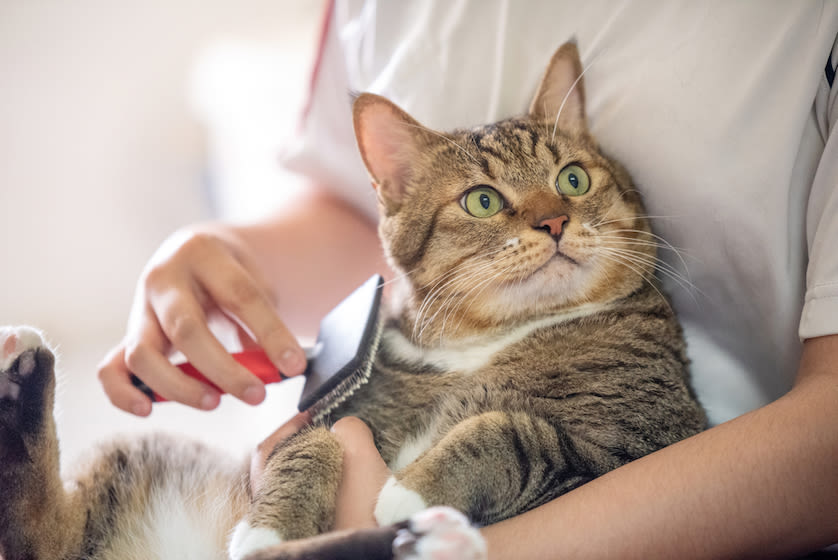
723 112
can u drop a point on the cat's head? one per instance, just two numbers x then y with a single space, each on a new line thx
501 223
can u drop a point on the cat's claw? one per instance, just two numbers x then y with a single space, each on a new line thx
397 503
439 533
247 540
18 346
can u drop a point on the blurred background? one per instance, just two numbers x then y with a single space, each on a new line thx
120 122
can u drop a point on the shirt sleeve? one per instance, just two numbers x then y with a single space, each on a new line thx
820 309
325 149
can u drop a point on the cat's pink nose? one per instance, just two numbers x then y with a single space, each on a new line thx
554 225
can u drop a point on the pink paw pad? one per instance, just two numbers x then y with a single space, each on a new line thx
9 346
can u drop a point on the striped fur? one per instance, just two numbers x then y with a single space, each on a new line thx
518 361
515 365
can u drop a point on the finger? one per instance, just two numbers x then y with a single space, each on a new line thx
184 324
364 474
116 381
145 357
235 291
245 339
266 447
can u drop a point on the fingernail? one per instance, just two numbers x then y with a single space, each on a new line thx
292 362
209 401
254 394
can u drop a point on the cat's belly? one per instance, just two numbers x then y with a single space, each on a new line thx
177 522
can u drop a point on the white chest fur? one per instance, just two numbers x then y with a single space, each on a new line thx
475 353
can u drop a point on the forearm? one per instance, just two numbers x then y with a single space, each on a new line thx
311 254
763 485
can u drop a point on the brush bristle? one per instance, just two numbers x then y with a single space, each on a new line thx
350 385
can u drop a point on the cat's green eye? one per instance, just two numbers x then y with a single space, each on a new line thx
482 202
573 181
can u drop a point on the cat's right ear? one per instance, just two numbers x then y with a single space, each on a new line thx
390 143
561 94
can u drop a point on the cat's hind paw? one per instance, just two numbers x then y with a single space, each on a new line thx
439 533
18 359
247 540
397 503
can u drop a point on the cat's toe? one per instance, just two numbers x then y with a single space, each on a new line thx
247 539
439 533
397 503
19 347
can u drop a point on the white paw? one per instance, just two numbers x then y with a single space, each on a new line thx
439 533
247 540
15 342
397 503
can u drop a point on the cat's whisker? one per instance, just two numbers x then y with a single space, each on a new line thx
461 280
669 245
454 277
622 240
631 218
664 268
465 281
468 260
614 206
569 91
472 295
473 264
629 264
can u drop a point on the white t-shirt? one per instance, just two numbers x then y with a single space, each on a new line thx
721 111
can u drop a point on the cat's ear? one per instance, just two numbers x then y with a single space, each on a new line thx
390 143
561 93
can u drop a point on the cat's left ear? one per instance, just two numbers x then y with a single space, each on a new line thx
561 93
390 142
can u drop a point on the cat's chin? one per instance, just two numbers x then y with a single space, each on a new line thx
560 281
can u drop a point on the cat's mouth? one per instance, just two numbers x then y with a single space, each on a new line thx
558 256
564 256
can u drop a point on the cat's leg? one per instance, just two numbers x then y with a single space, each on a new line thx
296 496
34 519
490 467
438 533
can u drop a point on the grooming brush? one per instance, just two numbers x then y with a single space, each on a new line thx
338 364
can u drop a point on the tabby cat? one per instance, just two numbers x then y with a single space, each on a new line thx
526 350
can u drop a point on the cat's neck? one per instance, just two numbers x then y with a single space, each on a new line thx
471 352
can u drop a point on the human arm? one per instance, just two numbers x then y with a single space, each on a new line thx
295 265
763 485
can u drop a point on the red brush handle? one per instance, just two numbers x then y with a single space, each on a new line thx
255 360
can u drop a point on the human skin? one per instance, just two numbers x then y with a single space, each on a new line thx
764 485
761 486
277 277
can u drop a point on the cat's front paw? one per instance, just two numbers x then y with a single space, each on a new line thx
439 533
18 348
397 503
247 539
26 372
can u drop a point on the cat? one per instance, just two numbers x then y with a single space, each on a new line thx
527 348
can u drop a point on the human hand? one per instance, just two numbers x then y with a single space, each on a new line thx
192 276
363 475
